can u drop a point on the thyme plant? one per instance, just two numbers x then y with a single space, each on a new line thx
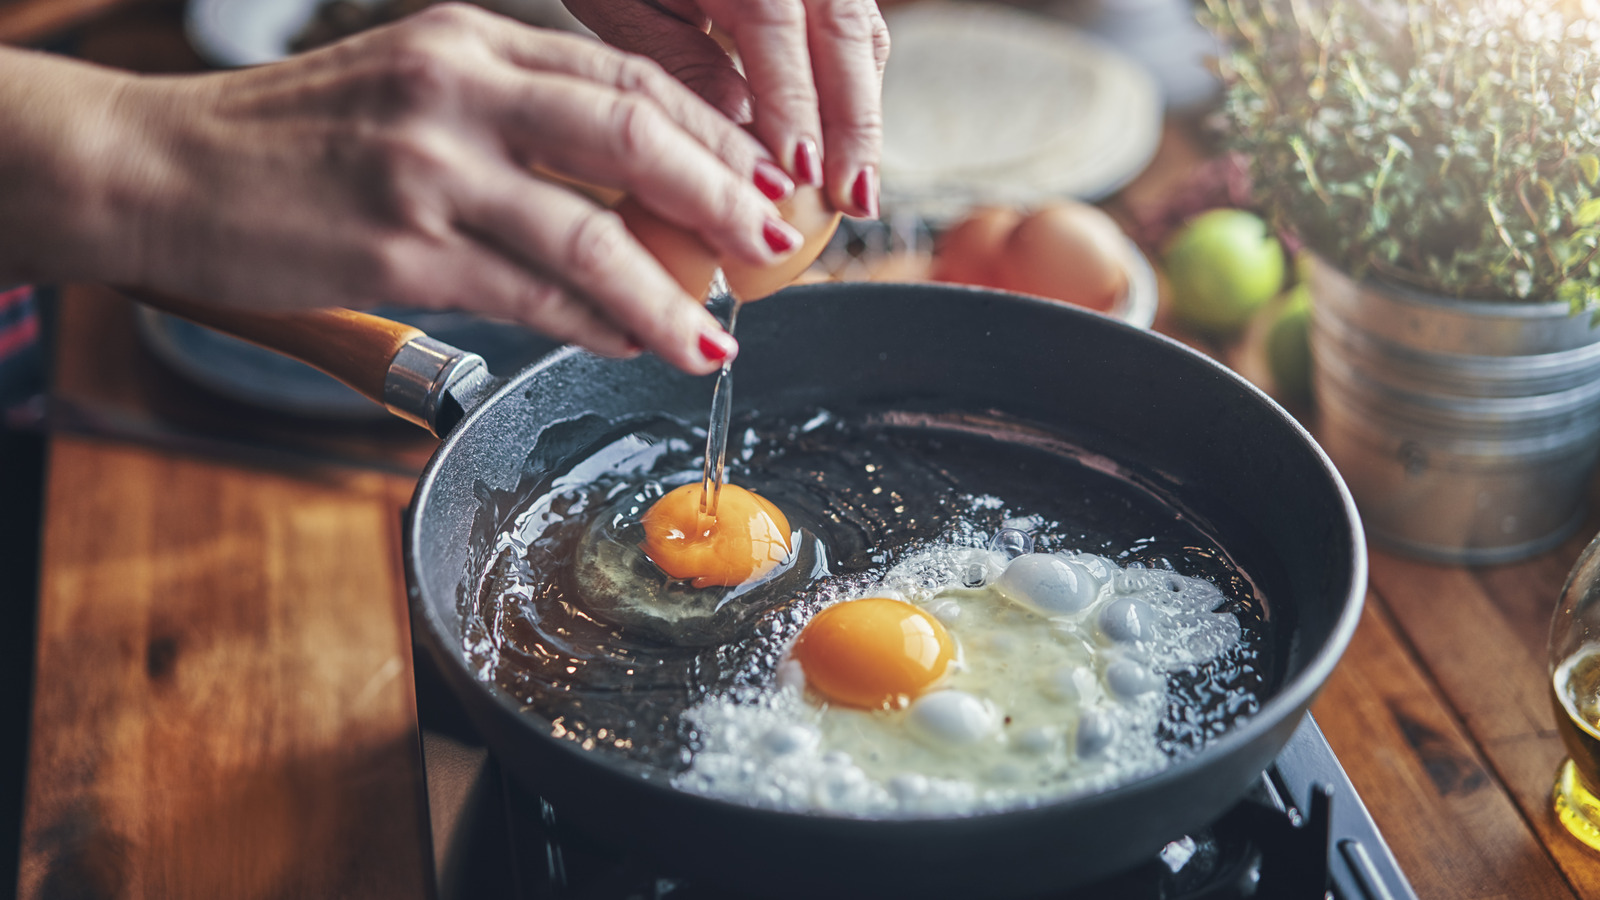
1450 145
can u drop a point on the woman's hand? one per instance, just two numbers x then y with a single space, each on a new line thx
392 168
813 76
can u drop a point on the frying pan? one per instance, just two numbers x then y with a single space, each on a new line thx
1220 452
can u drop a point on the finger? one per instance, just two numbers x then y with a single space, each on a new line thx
691 52
598 134
771 39
677 41
460 271
588 251
849 49
505 291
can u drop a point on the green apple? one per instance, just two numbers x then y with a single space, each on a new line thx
1288 344
1223 265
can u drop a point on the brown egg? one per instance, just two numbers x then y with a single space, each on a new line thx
691 262
1067 251
968 252
681 252
816 220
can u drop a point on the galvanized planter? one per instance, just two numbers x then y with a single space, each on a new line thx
1467 430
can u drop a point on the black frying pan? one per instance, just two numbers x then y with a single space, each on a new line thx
1217 449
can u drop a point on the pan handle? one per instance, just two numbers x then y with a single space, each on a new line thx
417 378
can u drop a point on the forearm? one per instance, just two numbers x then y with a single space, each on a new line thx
67 209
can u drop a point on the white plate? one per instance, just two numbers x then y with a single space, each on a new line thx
992 105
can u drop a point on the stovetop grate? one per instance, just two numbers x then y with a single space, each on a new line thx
1300 832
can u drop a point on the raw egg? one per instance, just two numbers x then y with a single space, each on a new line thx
968 251
873 653
746 539
692 263
1066 251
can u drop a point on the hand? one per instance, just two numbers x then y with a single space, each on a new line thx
814 69
394 168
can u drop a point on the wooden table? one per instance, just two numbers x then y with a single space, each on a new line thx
224 702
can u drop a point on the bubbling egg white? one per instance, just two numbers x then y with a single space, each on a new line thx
1058 687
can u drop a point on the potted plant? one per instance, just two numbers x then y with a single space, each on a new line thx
1438 158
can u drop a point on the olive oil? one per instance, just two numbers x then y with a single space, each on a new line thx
1575 692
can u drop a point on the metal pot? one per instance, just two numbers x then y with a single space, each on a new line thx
1467 428
1214 447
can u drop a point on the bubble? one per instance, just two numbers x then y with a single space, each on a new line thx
1011 542
908 787
842 788
945 610
1096 731
1127 620
1047 583
1127 679
788 738
1039 740
1098 568
953 717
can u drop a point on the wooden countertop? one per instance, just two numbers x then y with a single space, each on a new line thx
224 702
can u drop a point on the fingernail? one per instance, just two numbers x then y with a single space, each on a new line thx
864 192
772 181
780 235
808 162
718 346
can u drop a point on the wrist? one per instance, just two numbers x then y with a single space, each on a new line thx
75 191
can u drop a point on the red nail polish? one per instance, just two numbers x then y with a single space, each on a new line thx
717 348
864 192
808 162
779 236
771 180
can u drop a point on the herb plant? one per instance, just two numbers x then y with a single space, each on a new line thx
1450 145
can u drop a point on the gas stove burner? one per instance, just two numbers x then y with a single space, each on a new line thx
1300 832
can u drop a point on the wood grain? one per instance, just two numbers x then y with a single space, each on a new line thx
1453 829
224 694
1482 636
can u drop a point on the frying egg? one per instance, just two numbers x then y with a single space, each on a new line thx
873 653
928 695
1066 251
746 539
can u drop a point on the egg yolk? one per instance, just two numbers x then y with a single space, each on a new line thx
873 653
746 539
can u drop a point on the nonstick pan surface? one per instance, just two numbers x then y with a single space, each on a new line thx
1215 448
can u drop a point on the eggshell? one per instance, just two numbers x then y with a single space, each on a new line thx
691 262
681 252
969 251
1066 251
816 220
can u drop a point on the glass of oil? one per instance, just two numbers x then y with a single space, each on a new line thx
1575 697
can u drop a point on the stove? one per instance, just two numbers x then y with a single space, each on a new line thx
1300 832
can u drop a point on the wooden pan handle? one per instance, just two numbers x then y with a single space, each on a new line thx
354 347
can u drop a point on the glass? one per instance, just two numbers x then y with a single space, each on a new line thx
1575 697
